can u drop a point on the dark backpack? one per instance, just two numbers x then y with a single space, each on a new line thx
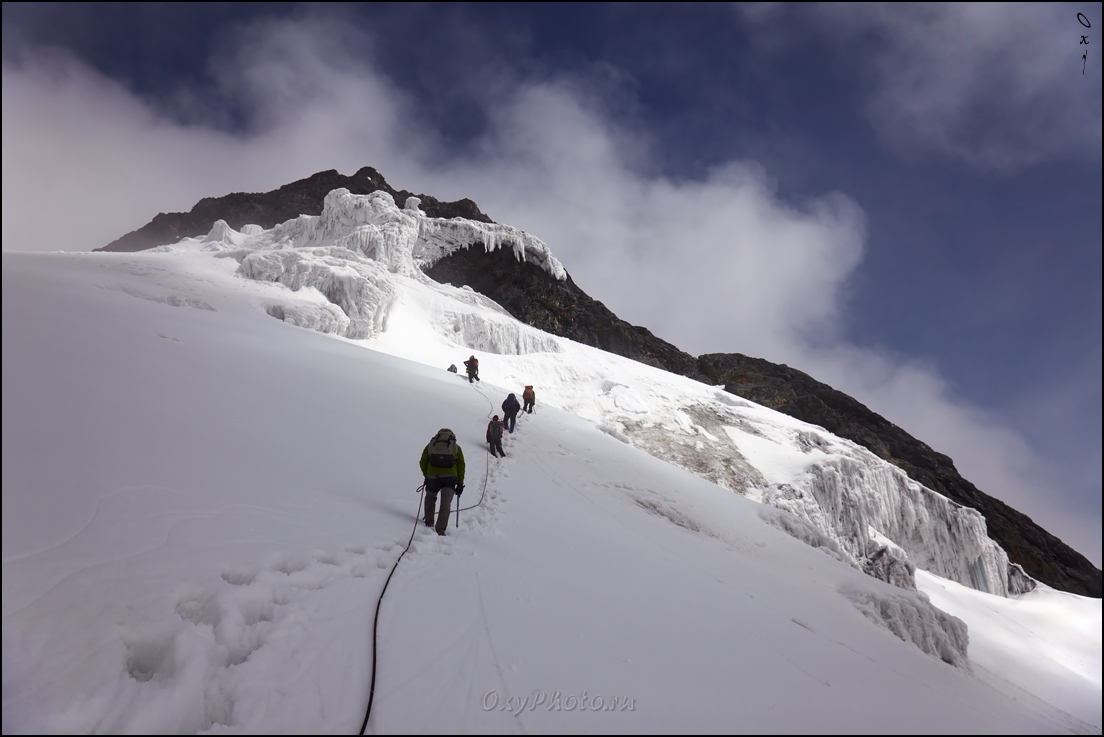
442 450
494 430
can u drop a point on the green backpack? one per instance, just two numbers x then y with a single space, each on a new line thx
442 449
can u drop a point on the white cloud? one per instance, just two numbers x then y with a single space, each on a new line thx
85 160
997 85
712 265
706 264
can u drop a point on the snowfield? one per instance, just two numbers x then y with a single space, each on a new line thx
210 468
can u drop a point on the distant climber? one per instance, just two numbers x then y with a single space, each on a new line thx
442 466
510 409
452 368
494 437
472 367
530 398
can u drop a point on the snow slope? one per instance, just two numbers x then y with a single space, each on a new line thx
201 505
354 271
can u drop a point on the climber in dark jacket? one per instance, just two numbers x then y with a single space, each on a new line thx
510 408
472 367
494 437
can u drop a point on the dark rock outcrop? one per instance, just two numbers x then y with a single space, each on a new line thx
535 297
267 209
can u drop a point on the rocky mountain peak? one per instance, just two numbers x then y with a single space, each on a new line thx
267 209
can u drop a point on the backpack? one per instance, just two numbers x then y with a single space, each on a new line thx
494 430
528 393
442 449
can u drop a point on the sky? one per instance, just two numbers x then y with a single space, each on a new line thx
903 202
212 563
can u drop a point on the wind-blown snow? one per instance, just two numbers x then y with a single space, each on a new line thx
201 504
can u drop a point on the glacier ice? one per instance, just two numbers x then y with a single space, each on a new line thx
372 225
358 286
912 617
850 494
350 253
839 496
346 269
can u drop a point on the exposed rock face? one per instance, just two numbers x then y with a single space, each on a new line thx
268 209
534 296
557 307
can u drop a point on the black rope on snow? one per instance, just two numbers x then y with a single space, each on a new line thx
379 601
487 473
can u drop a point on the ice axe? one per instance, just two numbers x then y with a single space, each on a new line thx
459 493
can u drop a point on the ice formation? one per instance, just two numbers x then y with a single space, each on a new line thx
348 270
865 503
911 617
358 291
342 267
850 503
373 226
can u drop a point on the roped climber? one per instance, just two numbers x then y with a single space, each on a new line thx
494 437
510 408
472 367
442 466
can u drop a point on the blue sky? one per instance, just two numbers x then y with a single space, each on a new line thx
902 201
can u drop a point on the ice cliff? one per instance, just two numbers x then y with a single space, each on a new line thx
401 240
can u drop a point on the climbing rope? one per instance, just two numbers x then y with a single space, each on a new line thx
487 471
379 601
